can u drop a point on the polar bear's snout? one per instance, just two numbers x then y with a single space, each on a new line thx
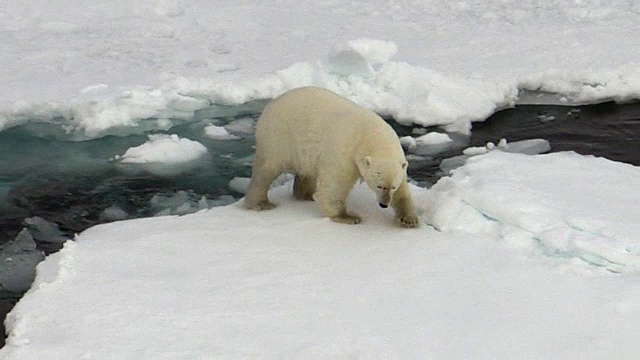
384 198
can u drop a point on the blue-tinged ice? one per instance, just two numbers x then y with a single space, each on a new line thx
19 258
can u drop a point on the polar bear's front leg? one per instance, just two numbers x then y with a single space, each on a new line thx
332 194
404 208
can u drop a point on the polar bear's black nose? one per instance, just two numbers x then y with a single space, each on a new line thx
384 206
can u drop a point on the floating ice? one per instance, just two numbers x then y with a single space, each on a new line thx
546 118
163 155
428 144
43 230
529 147
239 184
219 133
113 213
18 260
241 126
168 149
475 150
246 161
184 202
433 138
414 157
179 203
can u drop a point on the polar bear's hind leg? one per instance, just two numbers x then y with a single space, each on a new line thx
261 178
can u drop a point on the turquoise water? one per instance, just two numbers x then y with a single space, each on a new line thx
71 182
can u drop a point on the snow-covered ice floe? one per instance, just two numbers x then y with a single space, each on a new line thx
163 155
518 242
428 144
565 204
363 70
219 133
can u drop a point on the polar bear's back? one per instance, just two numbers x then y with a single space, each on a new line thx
306 126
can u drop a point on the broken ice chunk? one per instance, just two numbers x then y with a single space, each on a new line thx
18 260
43 230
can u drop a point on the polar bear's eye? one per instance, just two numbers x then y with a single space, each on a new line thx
379 186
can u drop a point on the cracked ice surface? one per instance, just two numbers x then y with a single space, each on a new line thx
561 204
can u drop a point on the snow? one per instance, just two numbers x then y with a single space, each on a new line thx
359 57
119 68
230 282
519 256
531 200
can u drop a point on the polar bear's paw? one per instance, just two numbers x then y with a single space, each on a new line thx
347 219
263 205
410 221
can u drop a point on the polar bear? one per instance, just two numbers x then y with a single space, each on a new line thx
329 143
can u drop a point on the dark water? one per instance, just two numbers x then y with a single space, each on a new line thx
608 130
43 179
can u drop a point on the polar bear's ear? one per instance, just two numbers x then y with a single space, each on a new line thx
404 165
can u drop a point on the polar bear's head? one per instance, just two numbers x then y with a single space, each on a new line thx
383 176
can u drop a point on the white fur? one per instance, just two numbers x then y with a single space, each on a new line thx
329 142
